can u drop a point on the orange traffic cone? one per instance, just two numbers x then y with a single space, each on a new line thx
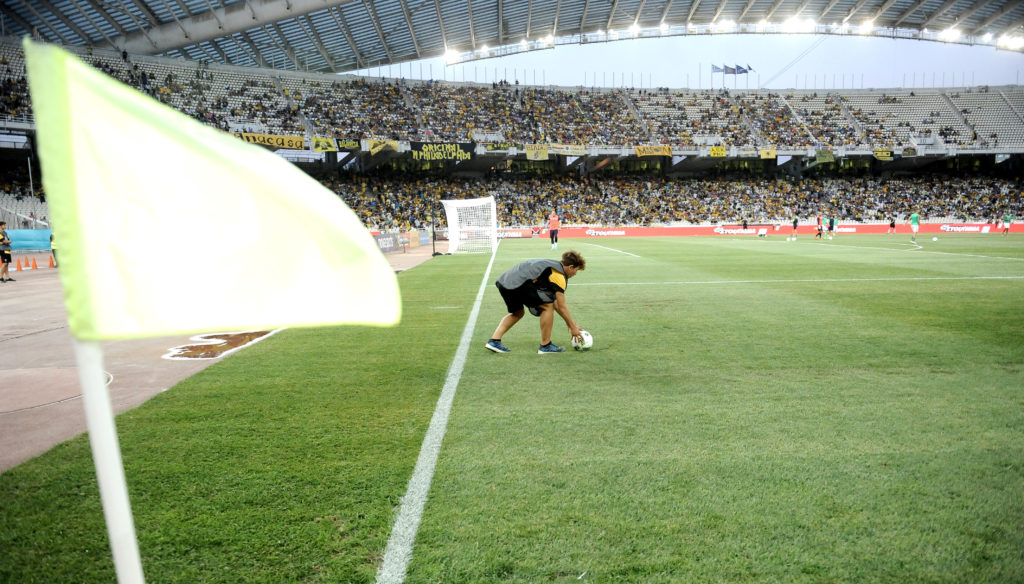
52 264
18 269
34 266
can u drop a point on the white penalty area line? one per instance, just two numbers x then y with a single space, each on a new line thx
612 249
403 534
797 281
919 247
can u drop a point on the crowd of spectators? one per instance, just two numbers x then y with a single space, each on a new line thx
276 102
403 203
350 110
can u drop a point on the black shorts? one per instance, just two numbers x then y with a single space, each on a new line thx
527 295
5 256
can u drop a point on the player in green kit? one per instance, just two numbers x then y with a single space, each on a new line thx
1006 223
915 224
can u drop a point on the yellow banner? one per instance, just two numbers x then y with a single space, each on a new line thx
768 152
646 150
289 142
536 151
348 144
883 153
567 149
718 152
441 150
323 144
377 146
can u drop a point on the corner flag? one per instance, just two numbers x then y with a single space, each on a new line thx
168 226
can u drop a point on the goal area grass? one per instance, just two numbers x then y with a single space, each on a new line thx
753 410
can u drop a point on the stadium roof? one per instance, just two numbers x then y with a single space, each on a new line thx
347 35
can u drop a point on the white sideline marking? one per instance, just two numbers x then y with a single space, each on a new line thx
612 249
815 280
403 534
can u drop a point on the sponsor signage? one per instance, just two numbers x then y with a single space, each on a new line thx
718 152
736 230
965 228
390 242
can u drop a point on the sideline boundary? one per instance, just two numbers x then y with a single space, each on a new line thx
798 281
398 552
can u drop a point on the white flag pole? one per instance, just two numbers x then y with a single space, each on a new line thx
106 454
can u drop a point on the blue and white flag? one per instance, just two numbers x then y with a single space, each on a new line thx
717 69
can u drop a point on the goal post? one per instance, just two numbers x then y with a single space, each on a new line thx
472 225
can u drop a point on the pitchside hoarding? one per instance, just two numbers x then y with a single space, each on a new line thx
751 230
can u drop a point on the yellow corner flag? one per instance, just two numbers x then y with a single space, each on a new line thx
171 227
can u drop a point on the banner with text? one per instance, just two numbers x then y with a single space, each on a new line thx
568 149
441 150
650 150
774 230
289 142
536 151
718 152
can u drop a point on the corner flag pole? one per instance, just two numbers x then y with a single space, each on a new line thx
106 454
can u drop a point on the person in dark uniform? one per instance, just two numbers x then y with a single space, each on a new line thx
5 254
538 285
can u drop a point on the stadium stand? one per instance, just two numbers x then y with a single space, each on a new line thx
350 108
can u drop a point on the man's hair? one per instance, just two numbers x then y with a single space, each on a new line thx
573 258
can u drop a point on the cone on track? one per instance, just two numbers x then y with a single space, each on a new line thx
18 269
34 266
52 265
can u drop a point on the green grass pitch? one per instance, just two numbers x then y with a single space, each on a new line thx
753 410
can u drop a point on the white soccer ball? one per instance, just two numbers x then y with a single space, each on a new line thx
583 343
935 239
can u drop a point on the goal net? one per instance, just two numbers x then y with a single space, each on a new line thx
472 225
